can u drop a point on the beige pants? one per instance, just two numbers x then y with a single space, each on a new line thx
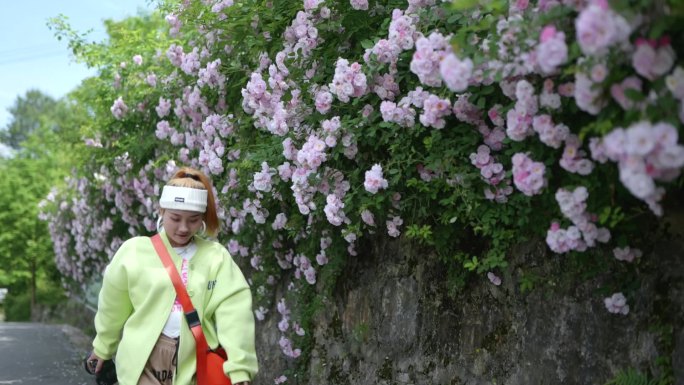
161 366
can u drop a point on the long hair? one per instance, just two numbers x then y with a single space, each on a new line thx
189 177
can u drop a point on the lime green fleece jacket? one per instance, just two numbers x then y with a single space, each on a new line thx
136 299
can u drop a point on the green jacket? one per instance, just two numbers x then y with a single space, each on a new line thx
136 299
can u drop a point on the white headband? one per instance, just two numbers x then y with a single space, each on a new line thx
183 198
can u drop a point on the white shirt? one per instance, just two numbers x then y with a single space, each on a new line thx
173 324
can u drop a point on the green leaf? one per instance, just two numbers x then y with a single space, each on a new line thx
634 95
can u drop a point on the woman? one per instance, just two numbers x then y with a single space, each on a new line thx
138 315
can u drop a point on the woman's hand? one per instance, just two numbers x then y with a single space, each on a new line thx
95 362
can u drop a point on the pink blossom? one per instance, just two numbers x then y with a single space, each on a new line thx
333 210
574 158
456 72
163 130
260 313
598 150
675 83
211 76
599 28
528 176
374 180
598 72
626 254
617 91
175 55
552 50
151 79
385 86
367 217
93 143
289 150
348 81
359 4
652 62
434 111
427 58
518 126
310 275
311 4
494 115
262 179
386 51
190 62
323 100
393 226
645 152
587 96
220 5
550 134
400 114
402 30
366 110
285 171
325 12
566 89
491 171
617 304
519 5
322 259
119 108
174 23
493 278
640 139
312 153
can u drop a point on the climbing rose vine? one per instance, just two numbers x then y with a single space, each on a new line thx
351 120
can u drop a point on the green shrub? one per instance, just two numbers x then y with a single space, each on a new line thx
17 307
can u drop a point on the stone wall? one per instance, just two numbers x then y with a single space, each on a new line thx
391 321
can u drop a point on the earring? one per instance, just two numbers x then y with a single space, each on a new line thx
204 229
159 225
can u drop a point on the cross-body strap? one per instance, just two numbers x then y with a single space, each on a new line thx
191 315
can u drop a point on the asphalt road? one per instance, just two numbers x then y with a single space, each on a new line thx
36 354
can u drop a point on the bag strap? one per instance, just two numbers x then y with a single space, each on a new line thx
191 315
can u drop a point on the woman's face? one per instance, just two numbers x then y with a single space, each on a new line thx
181 225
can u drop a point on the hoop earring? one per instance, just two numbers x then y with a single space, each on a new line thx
204 228
159 225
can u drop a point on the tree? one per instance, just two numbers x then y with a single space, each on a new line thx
25 245
43 154
27 115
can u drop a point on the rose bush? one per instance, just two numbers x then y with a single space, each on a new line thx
467 127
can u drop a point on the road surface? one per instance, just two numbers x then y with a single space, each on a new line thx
37 354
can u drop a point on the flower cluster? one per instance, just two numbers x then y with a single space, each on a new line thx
626 254
284 325
583 233
528 175
429 53
119 108
402 36
349 81
644 153
374 180
493 173
434 111
617 304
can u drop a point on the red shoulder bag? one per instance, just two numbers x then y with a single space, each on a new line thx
209 361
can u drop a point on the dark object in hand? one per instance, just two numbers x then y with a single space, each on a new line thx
106 375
